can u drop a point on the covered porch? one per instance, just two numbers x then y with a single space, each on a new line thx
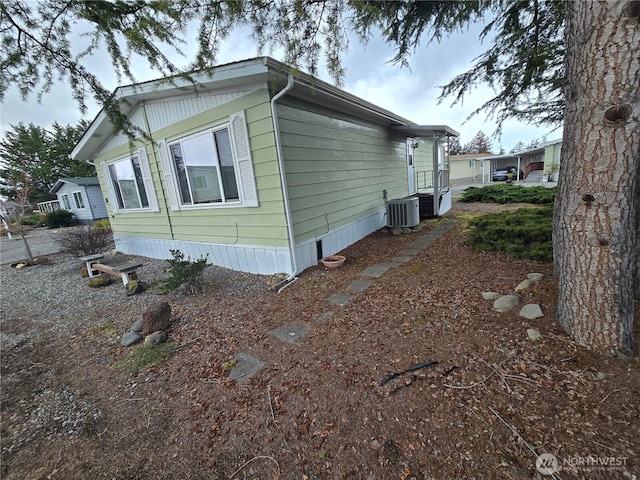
429 180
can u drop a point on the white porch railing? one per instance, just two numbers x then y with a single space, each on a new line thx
46 207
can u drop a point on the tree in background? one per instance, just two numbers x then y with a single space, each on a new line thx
454 146
518 147
533 67
22 188
30 151
480 143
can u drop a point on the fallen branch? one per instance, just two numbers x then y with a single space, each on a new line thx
186 344
527 444
465 387
495 370
611 393
258 458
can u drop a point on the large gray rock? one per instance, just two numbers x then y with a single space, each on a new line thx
491 295
155 338
156 318
535 277
531 311
130 338
506 303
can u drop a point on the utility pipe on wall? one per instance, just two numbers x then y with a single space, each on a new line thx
283 178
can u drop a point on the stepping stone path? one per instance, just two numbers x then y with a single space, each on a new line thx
340 299
290 333
247 366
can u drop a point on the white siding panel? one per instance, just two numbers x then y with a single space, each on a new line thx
250 259
338 239
137 119
162 114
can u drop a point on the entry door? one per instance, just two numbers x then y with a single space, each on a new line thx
411 169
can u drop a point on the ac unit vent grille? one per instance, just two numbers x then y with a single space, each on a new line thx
403 212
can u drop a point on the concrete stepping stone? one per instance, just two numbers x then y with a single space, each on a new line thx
245 368
535 277
359 285
411 252
387 264
290 333
325 316
375 271
340 299
403 259
531 311
506 303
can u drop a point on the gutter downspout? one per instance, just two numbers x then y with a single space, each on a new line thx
283 180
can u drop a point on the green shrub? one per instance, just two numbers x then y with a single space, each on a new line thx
59 218
506 193
184 272
103 224
32 220
523 233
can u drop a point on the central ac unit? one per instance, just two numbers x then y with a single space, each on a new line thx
403 212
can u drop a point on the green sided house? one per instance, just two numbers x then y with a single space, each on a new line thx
261 170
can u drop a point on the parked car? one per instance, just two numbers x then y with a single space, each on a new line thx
503 174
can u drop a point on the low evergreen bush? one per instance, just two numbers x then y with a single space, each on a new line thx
59 218
32 220
509 193
523 233
183 271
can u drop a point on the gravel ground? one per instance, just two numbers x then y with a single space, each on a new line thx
55 298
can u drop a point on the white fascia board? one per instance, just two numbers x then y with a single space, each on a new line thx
239 73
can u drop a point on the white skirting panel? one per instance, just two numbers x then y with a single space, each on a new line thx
243 258
338 239
445 203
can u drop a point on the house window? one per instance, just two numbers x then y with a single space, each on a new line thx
206 168
65 202
77 198
128 184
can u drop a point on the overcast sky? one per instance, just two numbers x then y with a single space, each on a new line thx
409 92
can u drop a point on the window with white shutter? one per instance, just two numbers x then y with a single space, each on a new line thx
210 168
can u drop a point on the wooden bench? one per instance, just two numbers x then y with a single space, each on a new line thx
126 272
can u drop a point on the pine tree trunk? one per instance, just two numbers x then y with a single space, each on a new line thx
596 221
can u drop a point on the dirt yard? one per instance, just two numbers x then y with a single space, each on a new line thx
317 410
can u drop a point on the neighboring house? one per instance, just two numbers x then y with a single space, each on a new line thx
261 170
537 164
466 168
82 196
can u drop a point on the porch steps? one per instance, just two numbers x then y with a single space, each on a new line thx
535 176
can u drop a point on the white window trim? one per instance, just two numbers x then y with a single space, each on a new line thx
75 201
147 179
242 165
66 204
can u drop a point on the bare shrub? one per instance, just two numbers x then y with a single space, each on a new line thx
85 240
